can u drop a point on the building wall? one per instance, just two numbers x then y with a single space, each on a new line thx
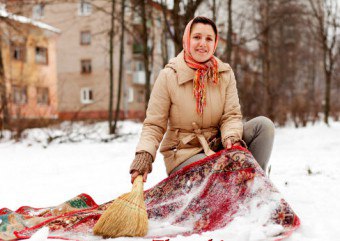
28 73
70 53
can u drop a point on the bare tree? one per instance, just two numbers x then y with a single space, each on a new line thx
336 84
326 16
213 9
121 67
111 68
229 47
279 80
4 113
265 26
179 18
164 43
145 52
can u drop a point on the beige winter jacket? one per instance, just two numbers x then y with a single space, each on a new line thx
172 110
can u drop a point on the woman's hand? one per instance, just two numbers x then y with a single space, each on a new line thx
230 144
136 173
141 165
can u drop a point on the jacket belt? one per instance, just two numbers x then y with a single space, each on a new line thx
196 133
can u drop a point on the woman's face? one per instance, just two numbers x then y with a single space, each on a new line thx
202 42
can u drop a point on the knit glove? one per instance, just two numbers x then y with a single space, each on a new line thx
142 163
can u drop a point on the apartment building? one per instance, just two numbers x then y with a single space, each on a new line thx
28 51
83 57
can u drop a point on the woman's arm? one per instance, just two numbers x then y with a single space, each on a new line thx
157 114
231 122
154 127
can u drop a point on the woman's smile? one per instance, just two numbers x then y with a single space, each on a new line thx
203 51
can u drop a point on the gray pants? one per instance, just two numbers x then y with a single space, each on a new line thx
258 134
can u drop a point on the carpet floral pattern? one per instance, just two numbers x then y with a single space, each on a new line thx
205 196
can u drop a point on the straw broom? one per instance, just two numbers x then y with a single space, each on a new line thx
126 216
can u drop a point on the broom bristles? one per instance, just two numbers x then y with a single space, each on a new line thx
126 216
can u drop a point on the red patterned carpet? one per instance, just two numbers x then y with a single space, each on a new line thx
205 196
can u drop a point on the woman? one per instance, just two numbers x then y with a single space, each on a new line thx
195 102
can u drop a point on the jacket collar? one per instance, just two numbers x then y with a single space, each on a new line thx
185 73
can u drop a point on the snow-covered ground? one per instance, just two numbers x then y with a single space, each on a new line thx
305 167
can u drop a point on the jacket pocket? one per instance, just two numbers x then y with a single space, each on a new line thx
170 145
169 150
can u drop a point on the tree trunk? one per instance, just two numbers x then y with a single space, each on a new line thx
266 61
328 78
329 70
145 54
229 33
214 10
121 58
164 39
177 27
111 53
311 89
3 93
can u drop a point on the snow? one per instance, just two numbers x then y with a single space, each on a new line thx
41 234
304 167
25 20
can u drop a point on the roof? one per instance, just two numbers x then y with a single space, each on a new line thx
25 20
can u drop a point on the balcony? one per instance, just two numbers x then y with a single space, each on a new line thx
137 48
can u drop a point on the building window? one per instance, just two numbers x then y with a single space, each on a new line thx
40 55
85 38
43 96
19 94
18 52
137 48
140 96
136 17
86 95
85 8
86 66
139 73
130 95
38 11
139 65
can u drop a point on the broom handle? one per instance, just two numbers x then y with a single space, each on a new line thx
138 184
